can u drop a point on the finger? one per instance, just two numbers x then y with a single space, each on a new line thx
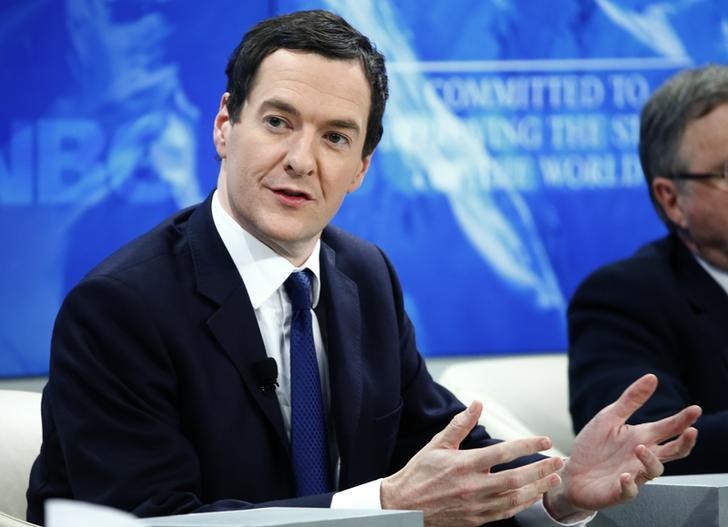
482 459
459 427
673 425
628 487
509 503
516 478
651 465
677 448
634 397
494 514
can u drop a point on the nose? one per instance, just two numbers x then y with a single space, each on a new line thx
301 156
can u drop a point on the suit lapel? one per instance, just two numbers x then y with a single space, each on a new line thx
343 318
233 323
707 299
704 294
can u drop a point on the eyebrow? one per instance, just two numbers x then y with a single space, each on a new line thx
285 107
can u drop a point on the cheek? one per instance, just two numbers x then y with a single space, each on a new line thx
260 157
246 162
347 178
693 208
336 188
719 220
708 221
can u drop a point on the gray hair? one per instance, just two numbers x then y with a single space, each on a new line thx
689 95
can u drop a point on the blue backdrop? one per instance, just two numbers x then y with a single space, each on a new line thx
508 168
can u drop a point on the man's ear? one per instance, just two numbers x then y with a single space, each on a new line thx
667 195
359 176
221 126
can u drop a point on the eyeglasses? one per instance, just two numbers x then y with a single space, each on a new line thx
720 178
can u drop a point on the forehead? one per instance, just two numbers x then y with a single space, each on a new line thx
306 78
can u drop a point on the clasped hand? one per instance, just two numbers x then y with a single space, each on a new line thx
610 460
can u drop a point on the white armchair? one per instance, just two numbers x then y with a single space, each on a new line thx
522 395
20 440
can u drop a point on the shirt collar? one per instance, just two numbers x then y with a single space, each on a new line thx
719 275
262 269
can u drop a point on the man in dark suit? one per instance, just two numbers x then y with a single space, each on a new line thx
157 401
665 310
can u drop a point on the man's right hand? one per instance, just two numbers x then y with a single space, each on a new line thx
456 487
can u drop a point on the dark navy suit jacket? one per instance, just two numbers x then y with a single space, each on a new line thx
152 405
660 312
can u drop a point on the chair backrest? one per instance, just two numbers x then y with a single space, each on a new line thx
522 395
20 440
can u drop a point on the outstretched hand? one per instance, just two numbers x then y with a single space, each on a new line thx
610 459
456 487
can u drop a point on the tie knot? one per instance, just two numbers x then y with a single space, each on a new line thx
298 287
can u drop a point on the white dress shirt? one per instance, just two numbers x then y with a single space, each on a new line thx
263 272
719 275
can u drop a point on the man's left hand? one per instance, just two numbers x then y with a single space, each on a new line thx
610 459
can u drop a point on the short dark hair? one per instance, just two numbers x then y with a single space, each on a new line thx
689 95
317 31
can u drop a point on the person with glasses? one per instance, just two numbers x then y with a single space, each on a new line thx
665 309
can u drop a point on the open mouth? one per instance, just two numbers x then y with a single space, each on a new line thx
291 196
292 193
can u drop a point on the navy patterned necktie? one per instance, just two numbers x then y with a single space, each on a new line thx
309 447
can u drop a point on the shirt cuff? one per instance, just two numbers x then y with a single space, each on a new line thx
365 496
538 516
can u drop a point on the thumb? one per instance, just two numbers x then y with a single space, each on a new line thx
634 396
459 427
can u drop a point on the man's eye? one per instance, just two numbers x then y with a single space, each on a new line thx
337 139
275 122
